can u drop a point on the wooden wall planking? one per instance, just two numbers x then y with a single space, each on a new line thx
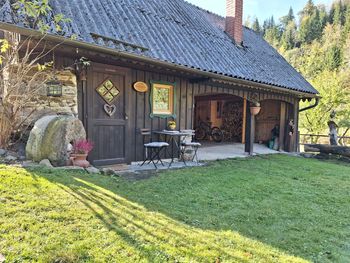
186 91
185 95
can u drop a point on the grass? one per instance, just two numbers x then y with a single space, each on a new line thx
263 209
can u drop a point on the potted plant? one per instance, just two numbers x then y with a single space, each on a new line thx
172 125
80 152
255 109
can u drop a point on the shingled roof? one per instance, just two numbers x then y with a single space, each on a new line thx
176 32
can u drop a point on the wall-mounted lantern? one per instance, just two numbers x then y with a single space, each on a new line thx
54 88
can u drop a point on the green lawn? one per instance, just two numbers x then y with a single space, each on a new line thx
262 209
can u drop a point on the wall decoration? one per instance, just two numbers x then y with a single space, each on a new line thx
108 91
162 99
110 109
140 86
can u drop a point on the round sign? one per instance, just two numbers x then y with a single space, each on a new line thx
140 86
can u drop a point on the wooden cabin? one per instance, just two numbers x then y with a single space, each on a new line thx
152 62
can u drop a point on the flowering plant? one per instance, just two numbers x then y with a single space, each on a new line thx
82 147
171 125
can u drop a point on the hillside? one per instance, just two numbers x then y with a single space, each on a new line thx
316 42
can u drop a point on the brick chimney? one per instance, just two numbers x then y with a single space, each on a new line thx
234 20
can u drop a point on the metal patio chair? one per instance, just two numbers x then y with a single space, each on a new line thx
185 145
152 149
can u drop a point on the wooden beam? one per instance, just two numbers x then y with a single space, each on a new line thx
282 126
244 120
252 134
199 80
250 131
296 123
328 149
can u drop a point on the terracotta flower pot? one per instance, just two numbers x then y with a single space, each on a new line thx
79 160
255 110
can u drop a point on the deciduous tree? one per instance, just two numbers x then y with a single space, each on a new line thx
23 73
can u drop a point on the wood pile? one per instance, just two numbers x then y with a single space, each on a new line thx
232 117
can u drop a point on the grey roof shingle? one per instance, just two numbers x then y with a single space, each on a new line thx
177 32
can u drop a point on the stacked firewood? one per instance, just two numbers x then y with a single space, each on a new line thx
232 121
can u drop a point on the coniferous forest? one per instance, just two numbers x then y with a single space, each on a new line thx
316 41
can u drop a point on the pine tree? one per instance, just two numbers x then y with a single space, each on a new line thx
323 15
288 39
347 52
290 15
333 58
338 13
310 26
268 24
288 18
316 25
308 9
256 26
272 35
247 21
346 29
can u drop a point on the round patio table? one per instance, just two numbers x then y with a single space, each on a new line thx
172 138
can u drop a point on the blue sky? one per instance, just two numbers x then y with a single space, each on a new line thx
259 8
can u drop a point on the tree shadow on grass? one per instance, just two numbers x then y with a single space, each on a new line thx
285 205
157 236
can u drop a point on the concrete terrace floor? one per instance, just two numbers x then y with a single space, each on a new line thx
211 151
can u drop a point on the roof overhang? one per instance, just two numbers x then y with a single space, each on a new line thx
214 76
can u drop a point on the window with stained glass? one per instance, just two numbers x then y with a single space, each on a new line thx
108 91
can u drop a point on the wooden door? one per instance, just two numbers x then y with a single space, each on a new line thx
107 114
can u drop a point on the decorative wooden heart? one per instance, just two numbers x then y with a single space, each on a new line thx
110 109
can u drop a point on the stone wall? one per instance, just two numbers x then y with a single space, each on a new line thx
67 104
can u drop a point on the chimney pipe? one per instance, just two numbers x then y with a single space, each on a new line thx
234 20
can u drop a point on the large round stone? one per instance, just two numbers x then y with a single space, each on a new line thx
51 136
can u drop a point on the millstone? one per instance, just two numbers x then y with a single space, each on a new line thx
51 136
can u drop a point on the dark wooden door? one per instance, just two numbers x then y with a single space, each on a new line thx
107 114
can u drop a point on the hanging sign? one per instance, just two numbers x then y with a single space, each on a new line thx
140 86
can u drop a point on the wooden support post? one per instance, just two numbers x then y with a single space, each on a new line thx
282 126
247 131
296 146
244 121
250 131
82 102
252 134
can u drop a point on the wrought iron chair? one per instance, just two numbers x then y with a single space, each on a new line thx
185 145
152 149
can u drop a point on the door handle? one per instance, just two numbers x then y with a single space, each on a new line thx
126 116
